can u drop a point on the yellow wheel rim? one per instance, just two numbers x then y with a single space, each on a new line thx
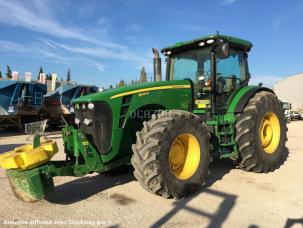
270 132
184 156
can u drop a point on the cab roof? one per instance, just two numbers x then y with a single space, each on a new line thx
234 42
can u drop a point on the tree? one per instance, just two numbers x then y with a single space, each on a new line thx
0 74
68 76
143 76
121 83
8 72
49 76
110 86
40 72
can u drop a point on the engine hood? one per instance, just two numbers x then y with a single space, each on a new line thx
133 89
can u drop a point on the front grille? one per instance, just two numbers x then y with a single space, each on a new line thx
99 132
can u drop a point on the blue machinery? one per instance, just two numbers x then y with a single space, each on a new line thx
57 105
20 102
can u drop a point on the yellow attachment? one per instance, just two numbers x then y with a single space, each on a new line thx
270 132
184 156
27 157
203 103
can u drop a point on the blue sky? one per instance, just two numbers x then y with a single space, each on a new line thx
105 41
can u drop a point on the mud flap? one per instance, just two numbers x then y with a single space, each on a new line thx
30 186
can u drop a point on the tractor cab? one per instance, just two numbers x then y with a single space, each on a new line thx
216 65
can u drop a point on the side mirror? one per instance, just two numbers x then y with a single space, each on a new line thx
222 50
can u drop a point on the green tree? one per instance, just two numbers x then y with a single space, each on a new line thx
143 76
49 76
8 72
68 76
0 74
40 72
110 86
121 83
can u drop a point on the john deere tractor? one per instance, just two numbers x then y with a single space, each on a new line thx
168 130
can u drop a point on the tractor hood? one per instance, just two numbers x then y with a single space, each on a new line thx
133 89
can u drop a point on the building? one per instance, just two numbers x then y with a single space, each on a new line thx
291 90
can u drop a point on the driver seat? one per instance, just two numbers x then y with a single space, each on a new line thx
230 84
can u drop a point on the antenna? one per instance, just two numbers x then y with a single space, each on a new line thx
218 37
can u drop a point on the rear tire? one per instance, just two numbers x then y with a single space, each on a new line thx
153 160
261 133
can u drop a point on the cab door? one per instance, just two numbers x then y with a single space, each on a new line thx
232 74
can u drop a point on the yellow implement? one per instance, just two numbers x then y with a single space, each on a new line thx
27 157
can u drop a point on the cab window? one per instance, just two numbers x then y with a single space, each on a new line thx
185 68
231 71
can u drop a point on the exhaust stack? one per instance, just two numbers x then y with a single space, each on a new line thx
157 66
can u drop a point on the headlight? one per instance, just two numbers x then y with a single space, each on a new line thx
87 122
210 41
83 106
77 121
90 106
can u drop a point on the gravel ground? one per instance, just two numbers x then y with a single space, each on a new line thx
233 198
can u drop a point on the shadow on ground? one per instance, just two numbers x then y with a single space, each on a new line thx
5 133
219 168
216 219
85 187
292 222
8 147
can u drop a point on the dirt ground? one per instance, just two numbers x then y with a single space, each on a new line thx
232 198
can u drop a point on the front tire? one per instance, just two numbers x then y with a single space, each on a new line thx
261 133
172 154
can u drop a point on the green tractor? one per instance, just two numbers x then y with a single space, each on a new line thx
170 130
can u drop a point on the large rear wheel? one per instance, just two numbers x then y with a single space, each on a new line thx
261 133
172 154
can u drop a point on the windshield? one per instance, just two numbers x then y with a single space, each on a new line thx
192 64
196 64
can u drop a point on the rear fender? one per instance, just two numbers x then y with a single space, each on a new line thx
242 97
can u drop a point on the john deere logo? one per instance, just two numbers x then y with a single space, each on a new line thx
143 94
